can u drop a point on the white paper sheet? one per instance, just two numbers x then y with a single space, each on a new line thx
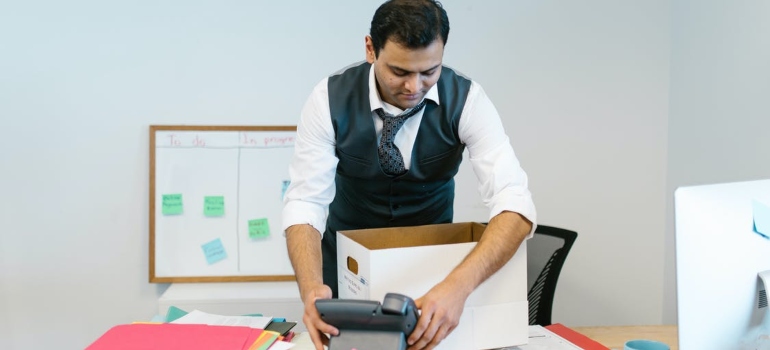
541 338
281 345
200 317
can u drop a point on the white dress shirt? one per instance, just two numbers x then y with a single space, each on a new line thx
502 181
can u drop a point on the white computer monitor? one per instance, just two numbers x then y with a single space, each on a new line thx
718 256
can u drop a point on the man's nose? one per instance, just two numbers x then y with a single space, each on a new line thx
413 83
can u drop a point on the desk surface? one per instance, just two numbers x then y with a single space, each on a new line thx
614 337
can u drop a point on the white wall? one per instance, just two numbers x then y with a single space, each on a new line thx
719 126
589 97
582 88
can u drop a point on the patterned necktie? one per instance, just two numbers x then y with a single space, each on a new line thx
390 157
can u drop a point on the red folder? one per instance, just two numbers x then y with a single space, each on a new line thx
576 338
170 336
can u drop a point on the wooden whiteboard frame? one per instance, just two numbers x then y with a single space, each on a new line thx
196 279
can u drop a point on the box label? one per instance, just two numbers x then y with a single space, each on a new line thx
354 286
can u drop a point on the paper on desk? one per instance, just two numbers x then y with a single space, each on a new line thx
281 345
200 317
265 340
543 339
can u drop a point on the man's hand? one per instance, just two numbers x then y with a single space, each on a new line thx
441 309
443 305
316 327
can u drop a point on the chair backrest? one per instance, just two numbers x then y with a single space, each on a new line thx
546 252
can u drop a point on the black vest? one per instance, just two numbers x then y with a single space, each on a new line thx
365 196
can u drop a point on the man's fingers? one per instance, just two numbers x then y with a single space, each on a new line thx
315 335
418 303
318 323
422 324
429 334
317 331
443 331
317 341
316 327
326 328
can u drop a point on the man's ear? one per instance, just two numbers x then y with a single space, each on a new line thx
370 56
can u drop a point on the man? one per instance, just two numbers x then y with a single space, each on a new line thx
367 168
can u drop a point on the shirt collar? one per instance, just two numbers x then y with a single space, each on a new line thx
376 102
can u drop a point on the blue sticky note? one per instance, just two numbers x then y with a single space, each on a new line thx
214 251
284 187
761 218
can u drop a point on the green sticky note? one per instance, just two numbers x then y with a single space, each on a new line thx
172 204
214 205
258 228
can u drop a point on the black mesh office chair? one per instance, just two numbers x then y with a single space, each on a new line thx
546 252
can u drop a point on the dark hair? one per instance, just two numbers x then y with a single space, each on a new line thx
412 23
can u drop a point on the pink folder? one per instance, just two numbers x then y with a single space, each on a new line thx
169 336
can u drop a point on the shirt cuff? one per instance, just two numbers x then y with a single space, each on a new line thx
512 200
299 212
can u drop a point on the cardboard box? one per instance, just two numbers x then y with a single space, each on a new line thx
411 260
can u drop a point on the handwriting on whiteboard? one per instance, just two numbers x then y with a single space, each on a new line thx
263 140
225 139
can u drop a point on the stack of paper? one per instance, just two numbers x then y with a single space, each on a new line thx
200 317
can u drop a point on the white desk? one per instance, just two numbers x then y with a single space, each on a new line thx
611 336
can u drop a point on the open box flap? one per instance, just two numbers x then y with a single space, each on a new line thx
416 236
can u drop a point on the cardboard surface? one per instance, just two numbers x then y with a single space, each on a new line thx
411 260
415 236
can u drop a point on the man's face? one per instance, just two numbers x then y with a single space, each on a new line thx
405 75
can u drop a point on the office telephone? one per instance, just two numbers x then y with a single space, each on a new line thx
369 324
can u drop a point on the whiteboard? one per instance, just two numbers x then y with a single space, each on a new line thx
216 195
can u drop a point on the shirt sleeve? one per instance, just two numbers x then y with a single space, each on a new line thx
313 164
503 184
